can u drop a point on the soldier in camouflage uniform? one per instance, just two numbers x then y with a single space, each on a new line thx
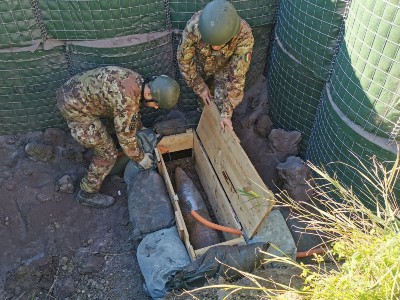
216 47
116 94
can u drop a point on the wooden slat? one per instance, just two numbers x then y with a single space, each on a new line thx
237 241
235 171
177 142
180 223
216 196
162 169
184 235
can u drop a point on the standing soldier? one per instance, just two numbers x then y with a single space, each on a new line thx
114 93
216 47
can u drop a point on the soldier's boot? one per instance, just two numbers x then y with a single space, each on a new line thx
95 200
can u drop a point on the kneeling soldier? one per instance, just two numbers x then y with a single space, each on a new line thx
117 94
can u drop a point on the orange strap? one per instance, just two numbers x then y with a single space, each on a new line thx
215 226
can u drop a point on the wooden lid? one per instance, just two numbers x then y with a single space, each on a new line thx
235 171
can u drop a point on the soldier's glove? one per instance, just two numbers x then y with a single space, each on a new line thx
147 161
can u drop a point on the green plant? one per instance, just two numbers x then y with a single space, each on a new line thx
362 258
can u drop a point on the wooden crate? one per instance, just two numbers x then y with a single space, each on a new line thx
225 172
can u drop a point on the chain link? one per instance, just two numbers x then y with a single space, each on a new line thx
39 20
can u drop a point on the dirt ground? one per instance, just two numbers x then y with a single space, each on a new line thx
54 248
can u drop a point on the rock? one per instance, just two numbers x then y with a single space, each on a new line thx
39 151
264 125
34 136
296 175
64 287
54 137
66 184
284 143
92 264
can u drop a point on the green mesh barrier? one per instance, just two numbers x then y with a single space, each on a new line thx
188 100
255 12
293 94
309 30
28 90
366 76
99 19
335 140
150 58
262 36
17 24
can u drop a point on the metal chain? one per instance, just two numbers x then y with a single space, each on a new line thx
395 132
167 12
39 20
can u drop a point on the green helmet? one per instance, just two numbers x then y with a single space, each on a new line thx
165 91
219 23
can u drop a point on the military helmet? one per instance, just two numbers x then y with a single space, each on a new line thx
165 91
219 22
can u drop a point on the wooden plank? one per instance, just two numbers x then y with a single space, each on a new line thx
216 196
237 241
162 169
177 142
235 171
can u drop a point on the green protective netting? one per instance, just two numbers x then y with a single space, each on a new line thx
99 19
335 140
309 31
255 12
17 24
366 77
154 57
262 37
28 90
293 94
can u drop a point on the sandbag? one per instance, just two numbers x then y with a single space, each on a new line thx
149 205
170 127
131 170
147 140
160 255
219 261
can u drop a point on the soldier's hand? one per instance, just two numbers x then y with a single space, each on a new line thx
225 122
206 96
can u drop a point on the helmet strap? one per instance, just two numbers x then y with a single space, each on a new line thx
146 81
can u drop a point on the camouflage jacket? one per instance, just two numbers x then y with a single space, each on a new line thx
108 92
196 57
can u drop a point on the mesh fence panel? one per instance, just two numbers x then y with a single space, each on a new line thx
149 58
366 76
17 24
309 29
28 89
338 140
99 19
293 94
255 12
262 36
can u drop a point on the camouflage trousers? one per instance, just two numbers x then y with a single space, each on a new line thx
94 134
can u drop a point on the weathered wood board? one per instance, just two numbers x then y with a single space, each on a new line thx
235 171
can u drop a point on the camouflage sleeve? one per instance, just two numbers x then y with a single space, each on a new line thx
237 69
185 57
127 121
